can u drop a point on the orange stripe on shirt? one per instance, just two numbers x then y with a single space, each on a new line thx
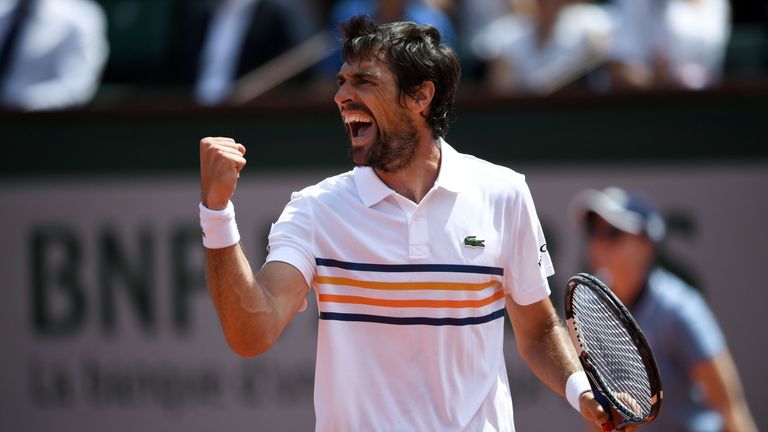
332 298
442 286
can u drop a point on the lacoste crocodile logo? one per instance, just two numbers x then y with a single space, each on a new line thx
473 241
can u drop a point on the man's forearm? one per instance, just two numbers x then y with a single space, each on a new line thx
543 343
551 358
242 305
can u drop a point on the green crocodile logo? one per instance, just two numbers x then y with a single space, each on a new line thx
473 241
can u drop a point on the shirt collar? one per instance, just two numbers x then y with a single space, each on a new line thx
450 176
369 186
372 190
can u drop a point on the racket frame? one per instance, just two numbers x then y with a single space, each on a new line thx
638 338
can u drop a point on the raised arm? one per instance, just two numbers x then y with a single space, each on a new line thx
253 308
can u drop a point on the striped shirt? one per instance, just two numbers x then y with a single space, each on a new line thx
411 297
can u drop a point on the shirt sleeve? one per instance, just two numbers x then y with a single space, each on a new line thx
699 335
529 263
291 238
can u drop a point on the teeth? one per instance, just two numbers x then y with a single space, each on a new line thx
356 118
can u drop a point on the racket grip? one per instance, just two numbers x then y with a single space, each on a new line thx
608 426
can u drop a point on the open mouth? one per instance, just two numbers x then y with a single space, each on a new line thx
359 125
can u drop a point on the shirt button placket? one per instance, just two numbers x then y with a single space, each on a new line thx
418 237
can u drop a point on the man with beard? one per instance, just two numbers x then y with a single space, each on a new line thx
414 256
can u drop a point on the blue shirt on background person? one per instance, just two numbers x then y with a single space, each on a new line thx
701 387
683 330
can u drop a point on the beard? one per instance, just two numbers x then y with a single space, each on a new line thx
391 150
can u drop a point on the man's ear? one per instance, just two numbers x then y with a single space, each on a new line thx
421 100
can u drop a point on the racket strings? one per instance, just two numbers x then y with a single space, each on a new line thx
612 350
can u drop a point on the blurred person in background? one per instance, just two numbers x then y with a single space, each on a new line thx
381 11
52 53
470 18
220 41
669 43
702 389
543 45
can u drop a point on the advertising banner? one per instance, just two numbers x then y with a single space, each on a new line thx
107 322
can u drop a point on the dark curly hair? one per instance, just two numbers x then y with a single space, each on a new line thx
414 54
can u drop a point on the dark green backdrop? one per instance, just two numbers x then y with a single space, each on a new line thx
657 128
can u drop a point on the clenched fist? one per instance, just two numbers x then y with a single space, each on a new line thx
221 160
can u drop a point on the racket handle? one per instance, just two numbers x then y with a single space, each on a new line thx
608 426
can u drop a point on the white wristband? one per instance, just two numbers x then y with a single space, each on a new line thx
577 384
219 227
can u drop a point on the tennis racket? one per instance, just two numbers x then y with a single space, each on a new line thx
613 352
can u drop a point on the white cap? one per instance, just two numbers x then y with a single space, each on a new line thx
626 211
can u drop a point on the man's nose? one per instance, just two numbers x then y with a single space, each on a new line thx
343 94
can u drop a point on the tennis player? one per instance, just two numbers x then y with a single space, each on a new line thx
414 256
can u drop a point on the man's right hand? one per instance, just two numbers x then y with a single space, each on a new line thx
594 412
221 160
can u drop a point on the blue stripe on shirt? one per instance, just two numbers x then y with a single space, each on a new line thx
408 268
335 316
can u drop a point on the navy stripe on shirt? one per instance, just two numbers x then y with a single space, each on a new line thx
408 268
335 316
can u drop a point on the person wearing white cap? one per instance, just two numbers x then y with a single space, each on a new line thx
702 388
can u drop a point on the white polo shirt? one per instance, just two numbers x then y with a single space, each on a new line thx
411 297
